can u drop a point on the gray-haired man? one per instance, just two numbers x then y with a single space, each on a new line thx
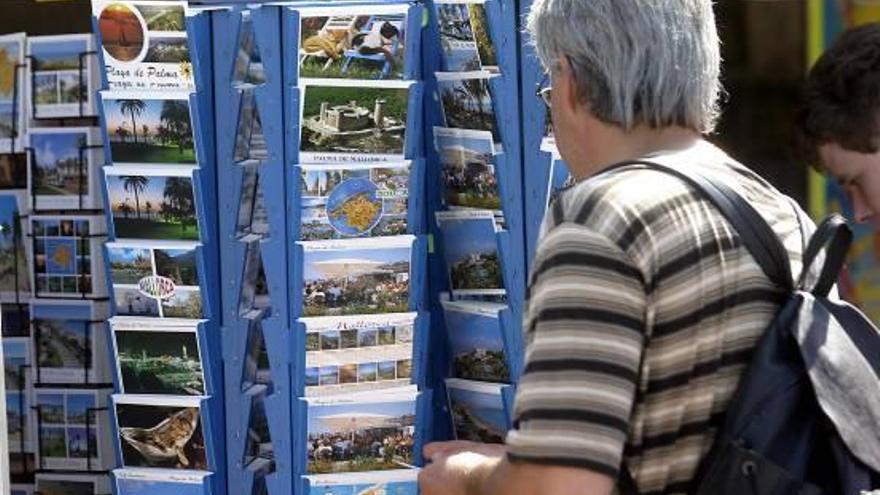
643 307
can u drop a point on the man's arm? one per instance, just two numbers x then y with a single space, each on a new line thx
584 332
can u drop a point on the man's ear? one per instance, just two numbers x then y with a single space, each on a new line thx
566 86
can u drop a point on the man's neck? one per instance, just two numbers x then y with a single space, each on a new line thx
618 146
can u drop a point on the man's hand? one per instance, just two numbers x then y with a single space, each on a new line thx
458 468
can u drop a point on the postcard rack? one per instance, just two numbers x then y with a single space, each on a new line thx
503 26
207 460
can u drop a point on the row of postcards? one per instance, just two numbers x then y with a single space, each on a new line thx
53 336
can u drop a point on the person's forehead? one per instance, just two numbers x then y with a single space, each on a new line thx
844 164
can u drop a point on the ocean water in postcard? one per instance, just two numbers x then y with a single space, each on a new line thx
340 202
160 363
149 130
477 415
353 44
145 44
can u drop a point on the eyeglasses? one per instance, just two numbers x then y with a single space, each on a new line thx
543 89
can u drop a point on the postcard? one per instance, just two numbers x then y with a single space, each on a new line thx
354 200
466 100
161 432
155 279
71 484
394 482
155 203
159 482
13 118
560 178
15 278
356 353
16 362
353 121
16 320
254 287
250 142
350 436
149 127
464 36
253 217
157 359
478 410
470 248
18 421
13 170
477 341
145 44
257 370
357 276
67 256
469 175
248 70
69 342
358 42
64 76
63 172
73 431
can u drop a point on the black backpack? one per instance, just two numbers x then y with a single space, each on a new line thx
806 415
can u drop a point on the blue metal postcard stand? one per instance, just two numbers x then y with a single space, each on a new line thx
204 184
537 162
413 150
245 325
503 27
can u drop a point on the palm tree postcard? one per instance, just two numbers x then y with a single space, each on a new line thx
149 128
64 76
397 482
357 353
354 201
470 248
64 168
478 410
345 121
71 484
156 203
158 359
357 276
466 99
67 252
155 281
72 429
355 436
161 432
12 91
354 42
145 44
150 482
15 279
467 159
477 341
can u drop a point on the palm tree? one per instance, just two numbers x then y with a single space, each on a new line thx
134 108
135 184
175 116
179 195
148 207
125 209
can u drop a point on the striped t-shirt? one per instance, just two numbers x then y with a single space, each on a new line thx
642 312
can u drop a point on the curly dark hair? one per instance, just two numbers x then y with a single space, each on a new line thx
841 100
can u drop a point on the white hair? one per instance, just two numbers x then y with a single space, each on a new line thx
653 62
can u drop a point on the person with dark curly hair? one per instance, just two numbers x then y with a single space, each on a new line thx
838 123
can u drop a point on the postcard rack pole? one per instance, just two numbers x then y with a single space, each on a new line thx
245 327
503 28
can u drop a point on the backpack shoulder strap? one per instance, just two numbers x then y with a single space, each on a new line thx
756 234
836 235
